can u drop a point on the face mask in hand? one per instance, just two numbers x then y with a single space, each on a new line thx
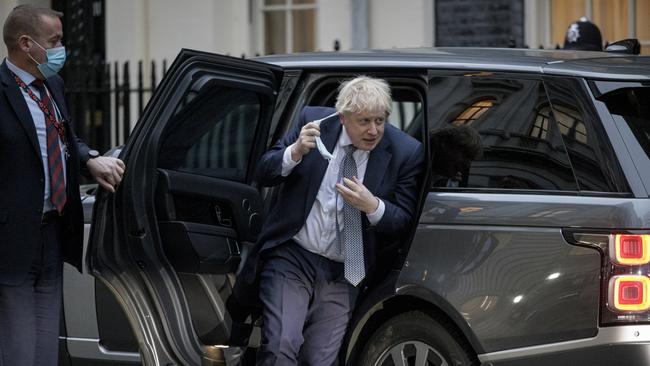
55 60
319 143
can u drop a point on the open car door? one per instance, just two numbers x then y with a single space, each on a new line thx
168 242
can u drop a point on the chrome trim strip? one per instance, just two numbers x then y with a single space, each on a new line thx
605 337
92 349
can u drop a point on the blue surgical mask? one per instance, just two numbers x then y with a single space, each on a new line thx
55 60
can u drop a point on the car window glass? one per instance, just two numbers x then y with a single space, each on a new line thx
593 161
497 133
406 109
211 132
632 104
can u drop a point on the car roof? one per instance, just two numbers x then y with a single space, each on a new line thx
598 65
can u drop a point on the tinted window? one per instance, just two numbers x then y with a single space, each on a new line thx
632 104
406 108
518 145
592 158
211 132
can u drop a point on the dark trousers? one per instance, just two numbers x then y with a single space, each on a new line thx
307 306
30 312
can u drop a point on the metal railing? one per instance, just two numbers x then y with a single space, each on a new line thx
104 102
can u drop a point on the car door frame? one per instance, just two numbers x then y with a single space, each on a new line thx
123 250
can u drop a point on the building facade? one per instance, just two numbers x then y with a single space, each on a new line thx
158 29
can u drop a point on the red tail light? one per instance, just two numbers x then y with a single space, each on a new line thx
629 293
630 250
625 273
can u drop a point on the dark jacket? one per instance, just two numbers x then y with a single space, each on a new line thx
392 174
22 183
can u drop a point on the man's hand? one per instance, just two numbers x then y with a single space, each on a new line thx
357 195
305 142
107 171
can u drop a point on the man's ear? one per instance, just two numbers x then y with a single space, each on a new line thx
24 43
342 118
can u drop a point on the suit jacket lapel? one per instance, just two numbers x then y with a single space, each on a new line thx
17 102
377 164
330 130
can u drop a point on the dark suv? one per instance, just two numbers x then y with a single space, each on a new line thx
538 255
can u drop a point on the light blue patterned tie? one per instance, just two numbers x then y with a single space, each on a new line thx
352 231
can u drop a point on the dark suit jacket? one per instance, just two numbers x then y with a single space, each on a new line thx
22 183
392 174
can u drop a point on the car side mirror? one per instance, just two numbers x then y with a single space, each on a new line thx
629 46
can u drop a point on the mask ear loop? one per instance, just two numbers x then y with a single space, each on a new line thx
41 47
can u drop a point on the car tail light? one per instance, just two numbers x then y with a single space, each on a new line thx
625 273
630 250
629 293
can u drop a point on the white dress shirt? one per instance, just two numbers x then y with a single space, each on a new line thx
318 234
39 122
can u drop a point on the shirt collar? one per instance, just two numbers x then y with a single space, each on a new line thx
26 77
344 140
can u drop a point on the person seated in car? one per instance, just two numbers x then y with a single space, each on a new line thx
452 150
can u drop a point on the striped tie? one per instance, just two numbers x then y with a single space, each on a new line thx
54 157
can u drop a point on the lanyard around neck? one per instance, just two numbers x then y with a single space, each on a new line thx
49 116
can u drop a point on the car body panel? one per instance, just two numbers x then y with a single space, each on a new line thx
502 263
599 65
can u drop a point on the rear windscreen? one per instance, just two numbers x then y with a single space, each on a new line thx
632 104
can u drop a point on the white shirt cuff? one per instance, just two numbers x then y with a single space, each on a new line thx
376 216
287 163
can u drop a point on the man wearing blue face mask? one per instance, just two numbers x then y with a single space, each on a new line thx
41 218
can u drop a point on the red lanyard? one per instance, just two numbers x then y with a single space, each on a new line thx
60 127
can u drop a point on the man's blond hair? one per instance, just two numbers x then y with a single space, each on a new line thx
364 94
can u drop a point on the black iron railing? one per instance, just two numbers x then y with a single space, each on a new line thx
105 103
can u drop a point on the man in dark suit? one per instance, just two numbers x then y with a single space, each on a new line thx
41 218
330 219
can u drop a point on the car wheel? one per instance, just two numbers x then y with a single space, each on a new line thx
415 338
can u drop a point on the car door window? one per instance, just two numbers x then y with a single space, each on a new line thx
211 131
594 162
516 146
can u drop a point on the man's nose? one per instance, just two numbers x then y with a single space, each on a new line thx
372 129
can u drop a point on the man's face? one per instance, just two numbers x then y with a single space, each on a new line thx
365 128
50 36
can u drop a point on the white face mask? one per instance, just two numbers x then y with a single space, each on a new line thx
319 143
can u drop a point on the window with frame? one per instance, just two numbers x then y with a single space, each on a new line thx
506 141
211 132
289 26
473 112
592 158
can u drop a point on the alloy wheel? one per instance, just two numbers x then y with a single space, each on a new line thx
411 353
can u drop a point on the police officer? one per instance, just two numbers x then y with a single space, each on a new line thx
583 35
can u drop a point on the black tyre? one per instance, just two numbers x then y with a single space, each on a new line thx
415 338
